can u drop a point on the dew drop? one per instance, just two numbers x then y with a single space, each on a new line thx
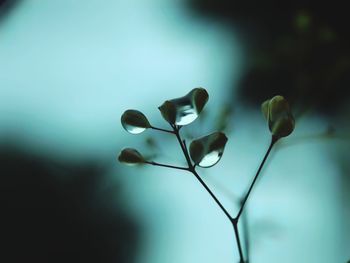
134 121
211 158
185 111
133 129
207 150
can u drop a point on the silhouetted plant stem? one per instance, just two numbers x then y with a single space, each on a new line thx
273 141
168 166
246 235
232 220
185 110
238 240
183 147
160 129
236 219
212 195
191 168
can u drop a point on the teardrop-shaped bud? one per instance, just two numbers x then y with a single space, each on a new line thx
197 151
130 156
168 111
134 121
207 151
184 110
279 116
200 97
283 126
278 107
265 108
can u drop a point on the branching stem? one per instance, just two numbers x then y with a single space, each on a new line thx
238 240
273 141
160 129
192 169
168 166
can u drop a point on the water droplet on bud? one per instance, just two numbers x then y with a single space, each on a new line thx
134 121
208 150
184 110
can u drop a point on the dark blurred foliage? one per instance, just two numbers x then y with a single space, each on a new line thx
60 211
299 49
6 6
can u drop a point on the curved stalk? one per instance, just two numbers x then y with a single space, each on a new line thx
273 141
191 168
167 165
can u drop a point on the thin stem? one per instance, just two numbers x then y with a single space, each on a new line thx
160 129
191 168
168 166
246 235
273 141
212 195
183 147
238 240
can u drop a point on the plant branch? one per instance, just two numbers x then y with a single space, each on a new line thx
273 141
235 227
191 168
193 171
246 235
160 129
183 147
168 166
212 195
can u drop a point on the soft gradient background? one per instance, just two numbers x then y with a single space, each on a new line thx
68 71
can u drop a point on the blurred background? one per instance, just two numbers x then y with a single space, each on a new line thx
69 69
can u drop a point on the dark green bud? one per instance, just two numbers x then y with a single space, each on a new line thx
168 111
279 116
184 110
130 156
134 121
207 151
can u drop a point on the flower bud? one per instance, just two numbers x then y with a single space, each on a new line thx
279 116
200 97
168 111
184 110
207 151
130 156
197 151
134 121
